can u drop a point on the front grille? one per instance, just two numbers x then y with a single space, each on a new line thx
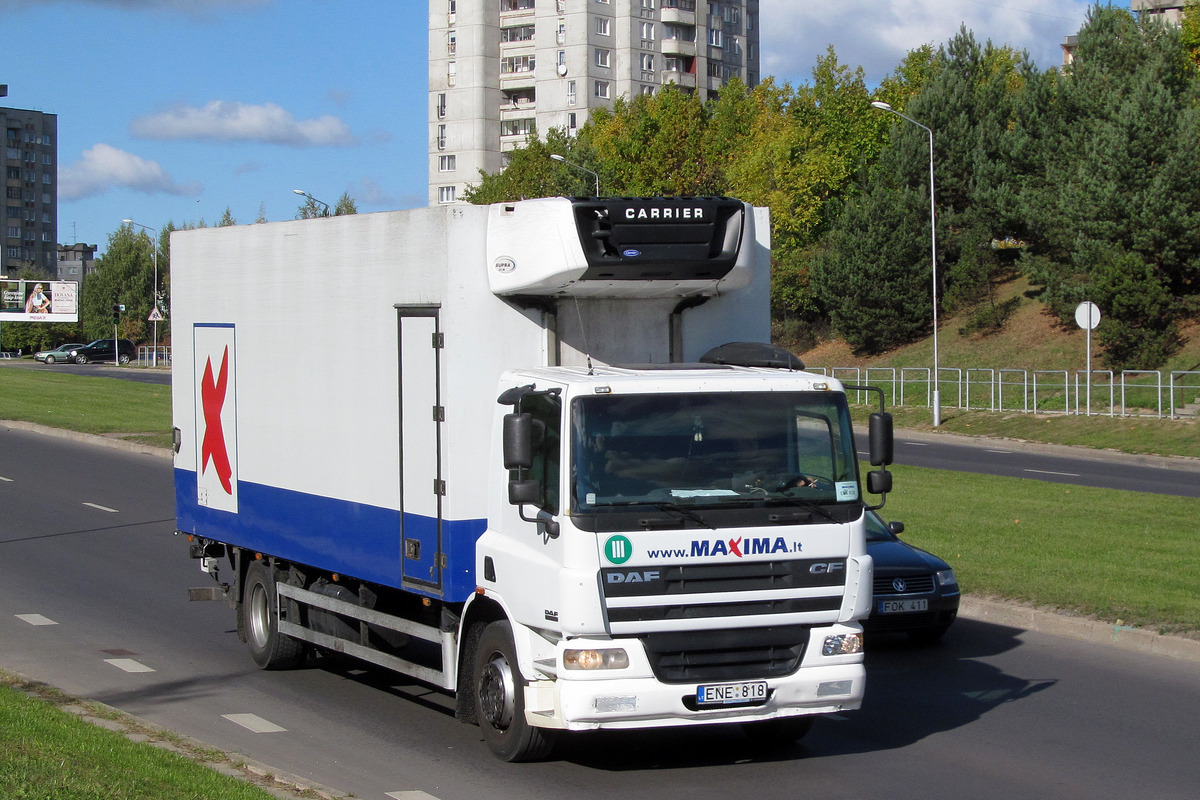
636 598
674 612
913 584
745 654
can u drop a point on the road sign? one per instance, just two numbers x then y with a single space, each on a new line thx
155 316
1087 315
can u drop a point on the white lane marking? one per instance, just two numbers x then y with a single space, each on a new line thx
36 619
254 723
128 664
416 794
6 480
915 444
1048 472
101 508
1001 452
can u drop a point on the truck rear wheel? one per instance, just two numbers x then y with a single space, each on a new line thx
269 648
500 699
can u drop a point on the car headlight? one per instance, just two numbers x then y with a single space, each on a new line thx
946 577
844 644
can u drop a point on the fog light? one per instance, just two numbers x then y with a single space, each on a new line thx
834 688
595 659
845 644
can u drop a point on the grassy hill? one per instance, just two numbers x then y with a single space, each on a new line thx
1032 339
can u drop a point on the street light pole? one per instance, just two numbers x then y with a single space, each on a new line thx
557 157
303 193
937 395
153 292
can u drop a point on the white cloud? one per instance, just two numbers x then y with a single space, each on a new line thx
104 167
876 34
225 121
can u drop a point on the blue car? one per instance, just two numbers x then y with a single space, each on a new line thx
915 592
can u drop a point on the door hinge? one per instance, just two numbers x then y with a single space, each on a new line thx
439 413
439 487
439 340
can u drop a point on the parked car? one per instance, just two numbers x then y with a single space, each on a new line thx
915 592
60 353
102 350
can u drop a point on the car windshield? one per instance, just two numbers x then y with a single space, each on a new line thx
712 450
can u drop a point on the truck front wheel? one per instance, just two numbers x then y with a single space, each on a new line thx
260 617
500 699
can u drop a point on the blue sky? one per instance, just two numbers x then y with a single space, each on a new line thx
173 110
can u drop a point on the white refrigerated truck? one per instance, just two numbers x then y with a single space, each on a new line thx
527 453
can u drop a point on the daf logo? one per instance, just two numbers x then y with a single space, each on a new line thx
900 585
634 576
827 568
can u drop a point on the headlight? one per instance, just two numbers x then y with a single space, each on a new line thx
946 577
846 644
596 659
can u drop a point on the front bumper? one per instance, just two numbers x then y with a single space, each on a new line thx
635 698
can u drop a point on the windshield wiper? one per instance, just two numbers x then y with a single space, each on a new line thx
672 508
784 500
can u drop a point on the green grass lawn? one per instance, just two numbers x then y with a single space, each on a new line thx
49 754
1115 555
84 403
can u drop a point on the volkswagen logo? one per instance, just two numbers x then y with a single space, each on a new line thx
900 585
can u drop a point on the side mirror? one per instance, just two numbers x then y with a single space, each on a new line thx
896 528
882 439
524 493
879 481
518 441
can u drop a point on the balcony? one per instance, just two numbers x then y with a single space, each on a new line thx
678 47
686 80
680 16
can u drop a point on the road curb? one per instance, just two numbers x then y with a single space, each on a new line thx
89 438
1057 623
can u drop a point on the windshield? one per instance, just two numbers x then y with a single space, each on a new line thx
726 449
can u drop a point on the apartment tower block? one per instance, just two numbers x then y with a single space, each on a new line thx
502 69
30 192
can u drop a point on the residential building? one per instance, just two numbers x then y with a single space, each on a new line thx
30 233
500 70
76 262
1171 12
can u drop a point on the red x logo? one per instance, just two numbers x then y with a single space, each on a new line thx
212 396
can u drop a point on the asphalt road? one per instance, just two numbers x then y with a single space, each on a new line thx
93 600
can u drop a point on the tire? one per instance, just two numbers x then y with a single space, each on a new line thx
49 359
499 694
123 358
81 359
268 647
779 731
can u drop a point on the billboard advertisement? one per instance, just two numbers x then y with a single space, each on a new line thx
39 301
